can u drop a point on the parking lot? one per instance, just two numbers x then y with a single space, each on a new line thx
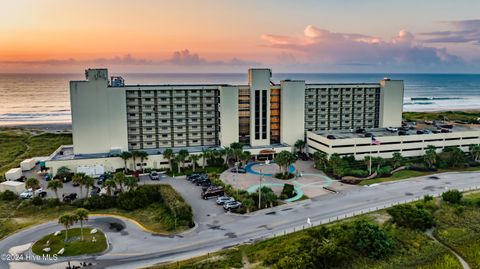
206 212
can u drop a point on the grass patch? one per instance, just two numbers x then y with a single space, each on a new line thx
458 227
17 145
404 174
74 246
460 116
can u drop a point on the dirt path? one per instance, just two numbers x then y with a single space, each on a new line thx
464 264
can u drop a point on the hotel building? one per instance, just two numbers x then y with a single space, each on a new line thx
109 116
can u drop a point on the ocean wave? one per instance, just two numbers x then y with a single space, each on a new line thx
434 98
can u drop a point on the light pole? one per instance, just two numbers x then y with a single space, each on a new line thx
260 191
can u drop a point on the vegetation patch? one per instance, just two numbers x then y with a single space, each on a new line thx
73 245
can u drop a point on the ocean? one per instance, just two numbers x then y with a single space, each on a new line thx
44 98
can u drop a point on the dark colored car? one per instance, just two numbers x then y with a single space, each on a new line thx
95 191
445 131
420 132
403 133
238 170
202 181
213 192
368 135
360 131
202 177
436 131
206 186
331 137
70 197
42 194
196 176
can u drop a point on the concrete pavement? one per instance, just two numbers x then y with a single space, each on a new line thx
136 248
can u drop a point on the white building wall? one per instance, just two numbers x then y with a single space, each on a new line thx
391 103
228 107
292 115
99 120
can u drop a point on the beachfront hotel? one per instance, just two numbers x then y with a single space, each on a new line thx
110 116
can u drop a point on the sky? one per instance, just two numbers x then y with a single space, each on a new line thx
359 36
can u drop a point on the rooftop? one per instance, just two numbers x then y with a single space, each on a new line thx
383 132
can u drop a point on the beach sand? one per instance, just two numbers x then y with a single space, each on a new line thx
48 127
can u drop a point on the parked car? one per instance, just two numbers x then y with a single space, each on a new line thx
26 195
202 177
213 192
444 130
238 170
420 132
331 137
70 197
232 205
224 199
368 135
196 176
202 181
95 191
392 129
360 131
403 133
154 175
42 194
206 186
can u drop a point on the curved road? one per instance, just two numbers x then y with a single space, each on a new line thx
135 248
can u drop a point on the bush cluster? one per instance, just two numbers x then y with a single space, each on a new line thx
411 217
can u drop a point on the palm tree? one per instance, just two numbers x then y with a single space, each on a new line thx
204 157
125 155
89 182
284 159
143 156
245 157
320 159
131 183
183 153
194 159
430 156
109 184
81 215
135 154
379 161
475 151
67 220
397 159
79 178
228 154
119 179
300 145
178 161
368 160
32 183
237 150
168 154
55 185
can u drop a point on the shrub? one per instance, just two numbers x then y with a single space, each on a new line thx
411 217
97 202
371 240
8 196
384 171
284 176
288 191
133 199
452 196
357 173
427 198
37 201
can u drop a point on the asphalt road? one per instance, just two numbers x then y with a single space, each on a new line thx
135 248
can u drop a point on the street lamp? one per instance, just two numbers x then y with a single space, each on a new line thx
260 191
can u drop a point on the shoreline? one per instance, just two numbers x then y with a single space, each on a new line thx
52 127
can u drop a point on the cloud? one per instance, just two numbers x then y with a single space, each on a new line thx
464 31
178 58
321 46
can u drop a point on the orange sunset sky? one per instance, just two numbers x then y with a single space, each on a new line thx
228 36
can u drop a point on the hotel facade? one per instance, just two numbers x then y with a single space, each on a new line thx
109 116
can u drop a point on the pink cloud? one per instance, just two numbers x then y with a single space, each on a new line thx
323 46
